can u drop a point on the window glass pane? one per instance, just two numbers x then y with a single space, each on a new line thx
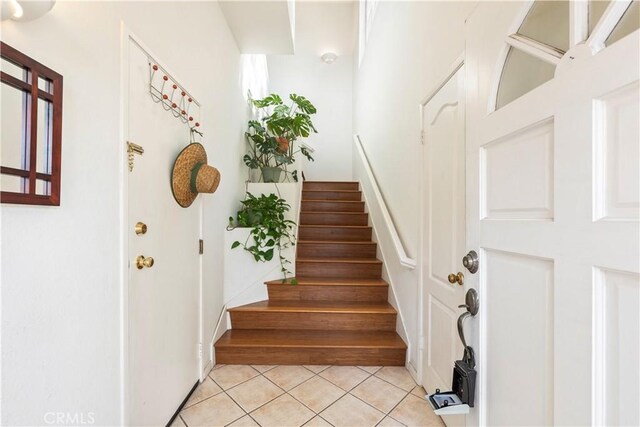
521 74
45 125
628 24
45 85
43 187
12 131
596 10
548 23
13 184
12 69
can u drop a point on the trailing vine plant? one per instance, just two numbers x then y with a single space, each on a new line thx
270 232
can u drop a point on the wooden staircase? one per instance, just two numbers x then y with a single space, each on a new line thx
338 312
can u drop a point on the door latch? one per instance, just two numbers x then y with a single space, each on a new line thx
131 150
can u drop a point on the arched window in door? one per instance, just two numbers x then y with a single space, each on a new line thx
551 28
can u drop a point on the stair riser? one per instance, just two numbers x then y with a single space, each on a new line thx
313 321
329 186
310 356
343 270
327 293
316 218
338 234
336 250
321 206
331 195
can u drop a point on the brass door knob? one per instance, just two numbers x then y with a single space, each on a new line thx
456 278
142 262
141 228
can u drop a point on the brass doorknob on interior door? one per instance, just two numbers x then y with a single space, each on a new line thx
456 278
142 262
141 228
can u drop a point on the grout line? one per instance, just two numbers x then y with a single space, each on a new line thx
182 419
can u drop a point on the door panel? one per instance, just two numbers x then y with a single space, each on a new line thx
444 228
164 298
552 196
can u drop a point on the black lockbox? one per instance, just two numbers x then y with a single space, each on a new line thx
463 385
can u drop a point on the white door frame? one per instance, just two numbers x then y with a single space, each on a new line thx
127 36
452 70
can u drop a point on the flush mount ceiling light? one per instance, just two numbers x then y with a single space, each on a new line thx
329 57
22 10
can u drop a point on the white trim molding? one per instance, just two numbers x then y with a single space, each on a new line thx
405 260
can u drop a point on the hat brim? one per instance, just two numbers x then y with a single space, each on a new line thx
181 174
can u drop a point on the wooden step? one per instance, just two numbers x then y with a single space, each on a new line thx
330 185
346 233
332 206
333 218
332 195
361 268
329 249
292 347
315 315
323 289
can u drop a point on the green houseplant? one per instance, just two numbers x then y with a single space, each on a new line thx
270 230
272 138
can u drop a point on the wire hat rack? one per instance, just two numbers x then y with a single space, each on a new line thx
166 91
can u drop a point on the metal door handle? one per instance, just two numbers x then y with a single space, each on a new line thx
456 278
142 262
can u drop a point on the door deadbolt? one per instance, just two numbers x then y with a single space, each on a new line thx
470 261
141 228
142 262
456 278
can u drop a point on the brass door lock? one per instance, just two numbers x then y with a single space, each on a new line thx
142 262
456 278
131 150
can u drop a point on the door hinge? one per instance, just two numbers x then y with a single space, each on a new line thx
200 350
422 137
201 246
421 343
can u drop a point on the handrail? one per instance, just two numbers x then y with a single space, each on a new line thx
405 260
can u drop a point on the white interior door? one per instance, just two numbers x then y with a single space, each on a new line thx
444 231
163 299
553 205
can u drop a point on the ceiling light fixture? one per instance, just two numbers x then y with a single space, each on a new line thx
329 57
22 10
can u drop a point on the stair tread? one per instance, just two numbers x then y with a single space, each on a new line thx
342 260
317 307
330 182
338 242
332 213
335 226
305 338
333 191
332 201
330 281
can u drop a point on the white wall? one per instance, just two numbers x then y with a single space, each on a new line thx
322 27
410 48
61 266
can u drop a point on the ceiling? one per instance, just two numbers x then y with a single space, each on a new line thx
285 27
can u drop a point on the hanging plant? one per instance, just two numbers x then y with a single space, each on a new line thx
271 232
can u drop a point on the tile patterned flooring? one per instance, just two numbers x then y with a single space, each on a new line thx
278 396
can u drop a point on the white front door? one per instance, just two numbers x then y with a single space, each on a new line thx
444 231
164 298
553 204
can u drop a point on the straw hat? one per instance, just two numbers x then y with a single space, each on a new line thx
192 175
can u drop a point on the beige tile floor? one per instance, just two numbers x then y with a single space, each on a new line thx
279 396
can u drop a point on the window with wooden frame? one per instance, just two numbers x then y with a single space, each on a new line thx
31 130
